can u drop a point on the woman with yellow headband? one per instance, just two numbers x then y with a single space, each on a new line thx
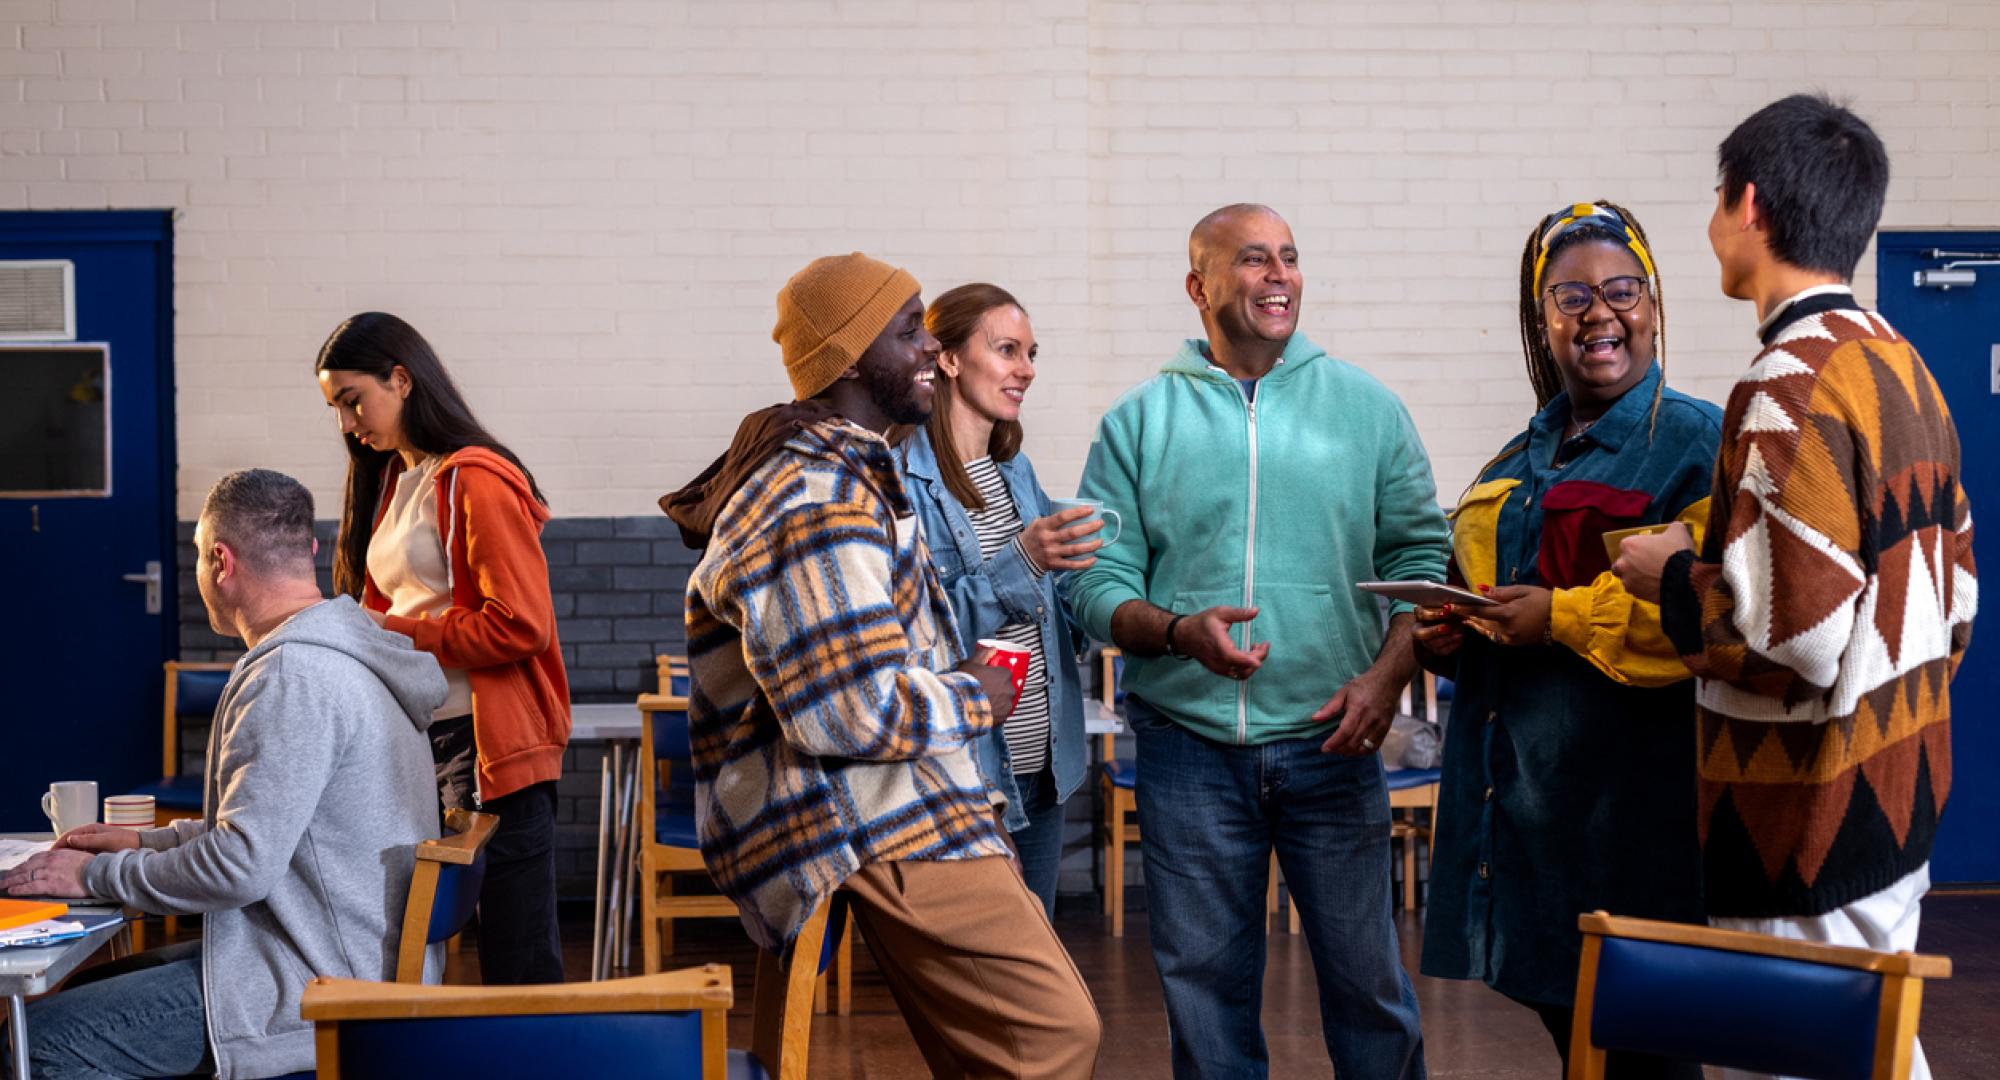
1569 756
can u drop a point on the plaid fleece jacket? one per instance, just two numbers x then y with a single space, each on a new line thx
1830 606
828 730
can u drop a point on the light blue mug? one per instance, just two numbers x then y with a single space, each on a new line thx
1098 512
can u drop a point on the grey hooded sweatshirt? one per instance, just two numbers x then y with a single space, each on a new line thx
320 784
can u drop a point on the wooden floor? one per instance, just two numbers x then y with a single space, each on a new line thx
1470 1033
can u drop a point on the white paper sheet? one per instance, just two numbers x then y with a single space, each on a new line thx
39 931
15 852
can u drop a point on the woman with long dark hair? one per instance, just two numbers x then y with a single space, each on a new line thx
1569 754
440 540
1002 553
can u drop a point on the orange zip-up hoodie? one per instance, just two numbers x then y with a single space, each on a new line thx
501 626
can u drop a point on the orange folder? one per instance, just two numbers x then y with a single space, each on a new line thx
15 913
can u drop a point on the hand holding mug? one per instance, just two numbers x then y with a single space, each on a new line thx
1095 509
1058 542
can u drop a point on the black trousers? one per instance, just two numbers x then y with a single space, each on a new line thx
1617 1065
519 940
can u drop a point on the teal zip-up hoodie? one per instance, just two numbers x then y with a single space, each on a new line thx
1282 504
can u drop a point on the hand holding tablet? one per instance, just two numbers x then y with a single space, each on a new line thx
1428 594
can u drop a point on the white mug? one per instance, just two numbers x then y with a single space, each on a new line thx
1098 511
69 803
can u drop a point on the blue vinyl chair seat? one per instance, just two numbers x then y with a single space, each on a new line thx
674 826
457 898
1122 773
173 792
1404 779
581 1044
1760 1013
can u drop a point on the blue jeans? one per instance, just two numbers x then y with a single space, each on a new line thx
146 1021
1040 842
1211 814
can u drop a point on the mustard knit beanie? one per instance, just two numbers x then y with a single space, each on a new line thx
830 312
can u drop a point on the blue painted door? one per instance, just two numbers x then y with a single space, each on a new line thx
83 654
1958 332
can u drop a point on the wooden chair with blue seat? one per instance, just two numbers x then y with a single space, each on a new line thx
194 688
669 844
1411 790
1745 1001
783 1001
444 888
1118 793
664 1025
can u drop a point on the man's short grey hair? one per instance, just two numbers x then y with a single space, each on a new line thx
265 517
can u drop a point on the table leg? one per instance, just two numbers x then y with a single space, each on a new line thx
17 1029
597 908
614 893
628 860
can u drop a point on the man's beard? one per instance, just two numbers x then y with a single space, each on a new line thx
897 396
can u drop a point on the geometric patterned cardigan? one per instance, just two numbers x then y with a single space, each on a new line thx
1824 618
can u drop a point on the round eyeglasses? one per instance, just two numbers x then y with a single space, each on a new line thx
1619 294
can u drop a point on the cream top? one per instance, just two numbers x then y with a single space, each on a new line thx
406 557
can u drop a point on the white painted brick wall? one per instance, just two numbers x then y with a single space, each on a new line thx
588 204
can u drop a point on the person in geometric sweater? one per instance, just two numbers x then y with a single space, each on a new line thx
1834 593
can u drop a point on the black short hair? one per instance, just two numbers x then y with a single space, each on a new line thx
265 517
1821 175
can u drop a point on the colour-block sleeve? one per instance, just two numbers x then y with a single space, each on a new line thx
1618 633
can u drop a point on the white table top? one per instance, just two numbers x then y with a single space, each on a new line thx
34 971
604 722
1098 720
613 721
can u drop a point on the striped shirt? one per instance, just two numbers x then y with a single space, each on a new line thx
1027 727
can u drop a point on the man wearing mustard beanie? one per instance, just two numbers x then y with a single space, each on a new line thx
831 715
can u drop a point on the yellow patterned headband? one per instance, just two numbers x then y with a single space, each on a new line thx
1603 217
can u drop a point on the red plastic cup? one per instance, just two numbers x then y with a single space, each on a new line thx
1006 654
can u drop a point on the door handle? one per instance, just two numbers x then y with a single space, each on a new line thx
151 580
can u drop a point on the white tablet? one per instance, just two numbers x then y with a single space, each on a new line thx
1425 593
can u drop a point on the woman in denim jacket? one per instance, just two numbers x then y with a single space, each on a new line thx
1002 555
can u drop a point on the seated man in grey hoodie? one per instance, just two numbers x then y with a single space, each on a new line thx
319 785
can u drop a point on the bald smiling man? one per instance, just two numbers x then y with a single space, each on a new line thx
1259 479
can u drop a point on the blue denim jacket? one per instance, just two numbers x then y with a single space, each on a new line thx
989 594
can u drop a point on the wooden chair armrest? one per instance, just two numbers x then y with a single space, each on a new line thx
652 703
471 831
707 987
1707 937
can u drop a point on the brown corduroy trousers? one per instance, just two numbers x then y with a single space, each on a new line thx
986 987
